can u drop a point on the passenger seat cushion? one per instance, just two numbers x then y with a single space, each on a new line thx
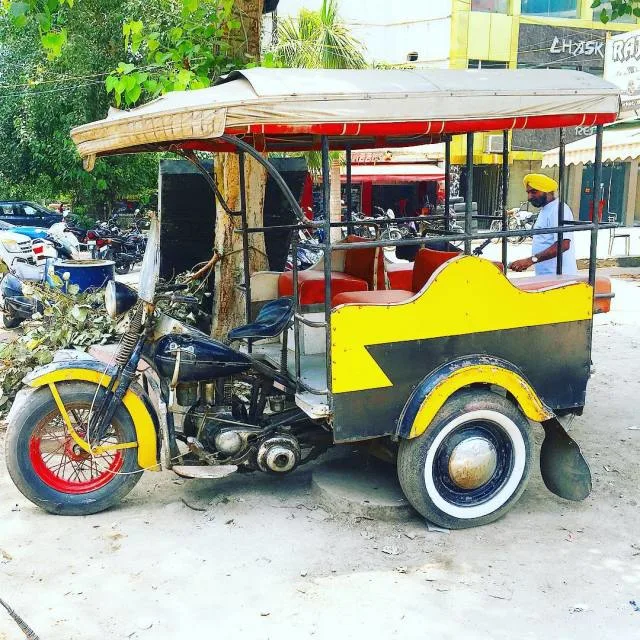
427 261
391 296
360 263
311 285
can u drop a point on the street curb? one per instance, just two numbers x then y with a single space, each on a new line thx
619 261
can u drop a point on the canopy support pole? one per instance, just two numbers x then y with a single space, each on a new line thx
505 188
597 197
245 240
326 198
468 194
349 200
447 181
560 236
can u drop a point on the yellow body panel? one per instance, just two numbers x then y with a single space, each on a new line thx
143 422
529 402
466 295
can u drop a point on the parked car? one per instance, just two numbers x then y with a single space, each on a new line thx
22 212
15 245
32 232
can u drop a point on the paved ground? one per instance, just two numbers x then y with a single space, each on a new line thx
256 557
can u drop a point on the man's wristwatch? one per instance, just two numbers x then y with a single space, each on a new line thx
534 258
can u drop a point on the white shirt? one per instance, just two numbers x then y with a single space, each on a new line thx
548 217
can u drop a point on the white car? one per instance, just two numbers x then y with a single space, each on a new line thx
15 245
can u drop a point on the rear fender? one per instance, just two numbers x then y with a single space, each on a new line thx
136 402
435 389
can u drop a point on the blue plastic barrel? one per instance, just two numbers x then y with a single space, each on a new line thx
87 274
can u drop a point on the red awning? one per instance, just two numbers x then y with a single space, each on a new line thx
392 173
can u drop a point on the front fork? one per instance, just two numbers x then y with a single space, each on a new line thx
115 392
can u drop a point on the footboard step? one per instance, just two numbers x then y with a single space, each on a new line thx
192 471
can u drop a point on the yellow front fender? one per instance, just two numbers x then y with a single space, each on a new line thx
142 418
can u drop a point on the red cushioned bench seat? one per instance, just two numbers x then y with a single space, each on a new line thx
536 283
311 285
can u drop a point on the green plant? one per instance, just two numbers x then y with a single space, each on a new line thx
69 320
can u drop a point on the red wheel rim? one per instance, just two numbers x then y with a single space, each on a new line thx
66 468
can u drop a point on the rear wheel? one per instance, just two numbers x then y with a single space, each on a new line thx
122 268
514 226
471 464
496 225
52 470
10 321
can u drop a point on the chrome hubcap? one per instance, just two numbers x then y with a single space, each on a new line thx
473 462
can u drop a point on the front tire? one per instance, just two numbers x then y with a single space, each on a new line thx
471 464
52 471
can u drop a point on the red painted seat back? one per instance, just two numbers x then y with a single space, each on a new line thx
427 261
360 264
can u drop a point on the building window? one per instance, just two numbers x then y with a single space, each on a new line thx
486 64
607 6
492 6
552 8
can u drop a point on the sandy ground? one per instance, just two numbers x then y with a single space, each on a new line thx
259 559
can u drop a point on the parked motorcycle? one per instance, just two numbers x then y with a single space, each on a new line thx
111 427
16 306
308 252
518 219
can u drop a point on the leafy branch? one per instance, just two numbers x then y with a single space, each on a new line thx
67 320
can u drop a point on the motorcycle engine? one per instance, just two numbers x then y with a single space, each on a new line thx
221 431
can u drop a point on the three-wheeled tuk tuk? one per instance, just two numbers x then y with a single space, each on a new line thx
447 357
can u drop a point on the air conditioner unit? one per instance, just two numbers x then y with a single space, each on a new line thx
494 144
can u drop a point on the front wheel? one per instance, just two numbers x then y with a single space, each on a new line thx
471 464
52 470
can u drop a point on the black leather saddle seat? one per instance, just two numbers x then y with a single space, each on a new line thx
270 322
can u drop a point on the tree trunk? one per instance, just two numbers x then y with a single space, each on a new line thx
229 301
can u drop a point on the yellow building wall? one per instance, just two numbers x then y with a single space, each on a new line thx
477 35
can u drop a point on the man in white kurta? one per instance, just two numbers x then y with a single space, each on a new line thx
541 192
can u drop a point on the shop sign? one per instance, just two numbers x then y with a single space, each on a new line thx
622 67
571 47
557 46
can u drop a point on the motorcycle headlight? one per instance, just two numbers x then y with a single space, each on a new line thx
119 298
11 246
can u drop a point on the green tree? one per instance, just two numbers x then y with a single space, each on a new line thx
618 9
42 97
318 40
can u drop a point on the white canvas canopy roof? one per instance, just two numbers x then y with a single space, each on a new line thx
287 109
621 143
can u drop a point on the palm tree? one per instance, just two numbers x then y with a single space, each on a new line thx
318 40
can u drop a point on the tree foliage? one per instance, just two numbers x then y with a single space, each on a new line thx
43 96
186 47
619 8
69 320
